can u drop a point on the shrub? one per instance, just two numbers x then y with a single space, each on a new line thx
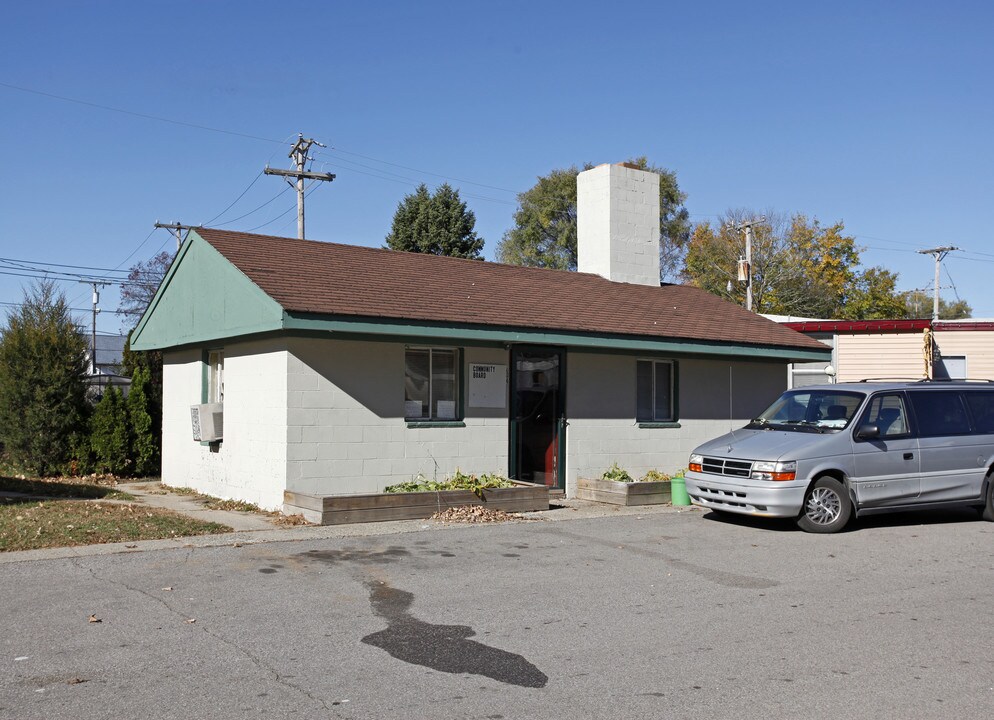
459 481
109 437
144 440
655 476
617 474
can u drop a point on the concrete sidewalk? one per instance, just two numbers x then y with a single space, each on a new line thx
152 493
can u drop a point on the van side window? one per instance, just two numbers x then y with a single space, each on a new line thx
887 412
982 408
940 413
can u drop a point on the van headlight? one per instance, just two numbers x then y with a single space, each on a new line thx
777 471
696 463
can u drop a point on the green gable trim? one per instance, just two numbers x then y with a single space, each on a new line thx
489 334
204 298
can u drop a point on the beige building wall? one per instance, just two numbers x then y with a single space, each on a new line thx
324 416
601 406
346 427
976 345
880 355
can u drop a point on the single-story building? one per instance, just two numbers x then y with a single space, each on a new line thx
895 349
341 369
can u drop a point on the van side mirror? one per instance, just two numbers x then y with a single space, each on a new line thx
867 432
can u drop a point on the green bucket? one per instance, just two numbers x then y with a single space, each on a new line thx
678 491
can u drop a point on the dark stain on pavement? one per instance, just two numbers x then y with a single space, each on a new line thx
355 555
444 648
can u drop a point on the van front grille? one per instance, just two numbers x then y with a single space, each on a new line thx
733 468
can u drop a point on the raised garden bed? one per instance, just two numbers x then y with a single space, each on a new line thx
623 493
378 507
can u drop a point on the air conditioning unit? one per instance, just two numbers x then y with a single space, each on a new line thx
208 421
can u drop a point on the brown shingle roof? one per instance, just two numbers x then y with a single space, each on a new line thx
305 276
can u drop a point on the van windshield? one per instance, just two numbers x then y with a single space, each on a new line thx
809 411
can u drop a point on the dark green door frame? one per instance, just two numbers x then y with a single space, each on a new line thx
518 423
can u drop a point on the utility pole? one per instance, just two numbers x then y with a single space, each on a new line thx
93 336
745 266
938 253
177 228
298 153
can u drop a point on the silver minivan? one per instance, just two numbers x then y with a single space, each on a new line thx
824 453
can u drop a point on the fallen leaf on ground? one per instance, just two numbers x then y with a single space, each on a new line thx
474 514
130 546
94 619
191 620
75 681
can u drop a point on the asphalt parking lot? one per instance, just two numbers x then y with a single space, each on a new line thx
654 614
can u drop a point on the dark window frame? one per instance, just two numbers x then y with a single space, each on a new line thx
457 383
673 414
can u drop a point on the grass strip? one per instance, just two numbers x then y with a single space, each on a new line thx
30 524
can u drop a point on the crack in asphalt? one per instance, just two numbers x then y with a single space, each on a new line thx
258 662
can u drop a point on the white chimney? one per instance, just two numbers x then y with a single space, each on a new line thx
617 223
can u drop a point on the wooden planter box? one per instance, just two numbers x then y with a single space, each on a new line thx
620 493
377 507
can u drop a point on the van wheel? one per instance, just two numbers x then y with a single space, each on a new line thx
827 508
988 512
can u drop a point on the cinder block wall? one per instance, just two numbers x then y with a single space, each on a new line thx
346 431
618 224
250 463
601 405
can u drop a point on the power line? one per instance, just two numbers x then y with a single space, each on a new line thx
313 187
77 267
146 116
235 133
333 149
235 200
278 195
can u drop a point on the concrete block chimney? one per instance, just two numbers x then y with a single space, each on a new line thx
617 223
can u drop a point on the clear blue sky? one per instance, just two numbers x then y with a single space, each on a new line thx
876 114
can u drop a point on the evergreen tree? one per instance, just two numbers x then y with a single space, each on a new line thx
144 441
109 436
43 370
436 223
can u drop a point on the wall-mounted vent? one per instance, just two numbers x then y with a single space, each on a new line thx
208 421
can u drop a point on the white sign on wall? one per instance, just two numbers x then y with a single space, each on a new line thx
487 385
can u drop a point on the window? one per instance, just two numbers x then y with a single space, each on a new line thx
888 413
949 367
940 413
215 376
982 407
654 391
430 387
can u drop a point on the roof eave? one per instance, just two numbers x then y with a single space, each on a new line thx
419 330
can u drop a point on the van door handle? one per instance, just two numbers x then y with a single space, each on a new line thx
909 456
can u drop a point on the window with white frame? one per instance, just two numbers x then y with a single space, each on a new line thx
431 388
215 376
654 391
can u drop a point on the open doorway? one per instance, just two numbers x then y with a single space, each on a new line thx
538 410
